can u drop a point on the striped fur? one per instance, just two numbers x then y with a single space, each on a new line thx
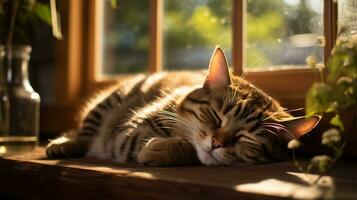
174 118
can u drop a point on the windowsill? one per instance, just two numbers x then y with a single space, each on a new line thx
34 177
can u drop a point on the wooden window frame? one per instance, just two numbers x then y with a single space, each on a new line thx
288 85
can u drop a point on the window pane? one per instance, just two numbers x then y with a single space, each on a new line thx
125 37
347 16
282 33
192 29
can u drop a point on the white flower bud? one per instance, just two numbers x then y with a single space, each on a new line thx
311 61
320 40
321 162
293 144
320 159
320 66
330 137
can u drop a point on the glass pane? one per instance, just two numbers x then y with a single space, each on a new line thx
347 16
192 29
282 33
125 37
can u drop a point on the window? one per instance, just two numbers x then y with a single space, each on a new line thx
192 29
270 39
276 34
282 33
125 40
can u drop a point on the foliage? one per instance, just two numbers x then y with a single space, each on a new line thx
19 18
330 138
338 91
270 23
195 27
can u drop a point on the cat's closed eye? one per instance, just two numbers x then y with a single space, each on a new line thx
217 120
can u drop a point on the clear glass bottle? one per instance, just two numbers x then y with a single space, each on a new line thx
19 103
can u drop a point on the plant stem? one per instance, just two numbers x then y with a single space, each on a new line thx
338 154
296 163
321 74
12 24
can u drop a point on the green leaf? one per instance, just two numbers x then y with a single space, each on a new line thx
113 4
336 121
332 108
43 12
320 98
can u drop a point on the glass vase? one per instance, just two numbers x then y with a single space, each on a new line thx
19 103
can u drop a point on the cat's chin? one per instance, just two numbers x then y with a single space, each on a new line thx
206 157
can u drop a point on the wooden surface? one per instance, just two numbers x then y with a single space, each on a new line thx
31 176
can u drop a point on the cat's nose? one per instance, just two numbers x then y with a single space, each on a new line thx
216 143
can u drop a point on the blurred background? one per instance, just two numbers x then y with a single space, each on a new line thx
278 33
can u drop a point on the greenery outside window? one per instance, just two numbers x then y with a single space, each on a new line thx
276 34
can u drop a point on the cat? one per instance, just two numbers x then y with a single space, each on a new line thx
184 118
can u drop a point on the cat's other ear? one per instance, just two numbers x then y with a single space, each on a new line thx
218 73
299 126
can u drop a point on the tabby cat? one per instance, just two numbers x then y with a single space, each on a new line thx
182 118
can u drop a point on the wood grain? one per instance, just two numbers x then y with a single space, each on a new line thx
31 176
156 37
238 36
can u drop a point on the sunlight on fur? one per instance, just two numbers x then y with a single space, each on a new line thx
183 118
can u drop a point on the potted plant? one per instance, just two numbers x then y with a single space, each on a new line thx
335 97
336 92
19 103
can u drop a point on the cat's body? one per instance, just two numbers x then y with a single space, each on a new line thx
175 118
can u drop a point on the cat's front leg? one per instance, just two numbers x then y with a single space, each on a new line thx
168 152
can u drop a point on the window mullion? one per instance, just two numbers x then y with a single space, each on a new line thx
238 22
156 14
330 26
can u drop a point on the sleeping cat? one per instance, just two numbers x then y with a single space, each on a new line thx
182 118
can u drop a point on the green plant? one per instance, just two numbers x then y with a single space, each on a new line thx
338 91
18 20
335 92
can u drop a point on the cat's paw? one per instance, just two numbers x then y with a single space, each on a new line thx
166 152
155 152
63 147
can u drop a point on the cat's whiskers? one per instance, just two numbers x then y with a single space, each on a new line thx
270 131
283 111
168 122
241 78
277 127
274 124
235 94
231 94
245 72
176 122
192 123
178 127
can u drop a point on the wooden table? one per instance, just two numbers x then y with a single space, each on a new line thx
32 176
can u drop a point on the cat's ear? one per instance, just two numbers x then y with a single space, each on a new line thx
299 126
218 73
